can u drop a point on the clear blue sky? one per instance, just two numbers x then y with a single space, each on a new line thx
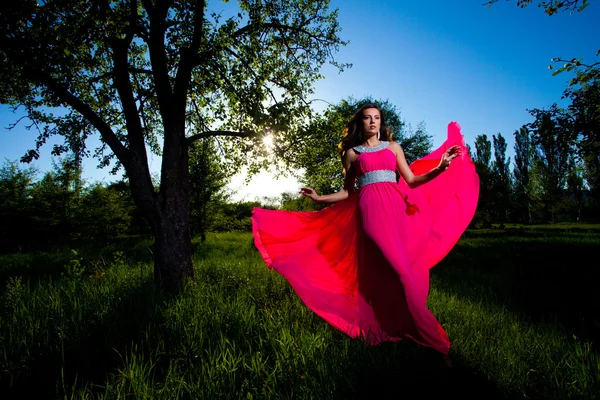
440 61
437 61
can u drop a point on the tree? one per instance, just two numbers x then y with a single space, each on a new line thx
554 141
294 202
482 159
138 72
209 174
103 213
553 6
583 72
236 216
15 204
500 179
314 150
137 223
55 201
575 189
483 151
67 175
585 112
523 159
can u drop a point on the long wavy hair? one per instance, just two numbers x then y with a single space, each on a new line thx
353 134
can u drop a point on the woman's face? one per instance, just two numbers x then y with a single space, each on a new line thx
371 121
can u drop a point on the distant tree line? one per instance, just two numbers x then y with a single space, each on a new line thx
59 208
555 176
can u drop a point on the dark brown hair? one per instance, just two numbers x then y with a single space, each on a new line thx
353 135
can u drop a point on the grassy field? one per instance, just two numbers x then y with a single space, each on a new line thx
520 305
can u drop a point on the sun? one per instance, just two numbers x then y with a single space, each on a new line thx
268 141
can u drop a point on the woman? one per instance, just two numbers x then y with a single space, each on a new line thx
363 263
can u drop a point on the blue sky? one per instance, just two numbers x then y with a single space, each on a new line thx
440 61
437 61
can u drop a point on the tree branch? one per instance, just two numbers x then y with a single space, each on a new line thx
275 25
192 139
198 27
109 137
251 70
158 59
98 78
189 57
577 63
123 84
11 126
162 7
550 7
251 27
133 18
149 6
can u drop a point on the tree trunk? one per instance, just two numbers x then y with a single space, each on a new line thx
173 244
167 213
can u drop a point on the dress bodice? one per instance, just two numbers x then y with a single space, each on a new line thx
375 164
374 158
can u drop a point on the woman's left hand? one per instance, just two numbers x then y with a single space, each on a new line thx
448 156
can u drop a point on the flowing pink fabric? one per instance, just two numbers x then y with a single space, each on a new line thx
363 264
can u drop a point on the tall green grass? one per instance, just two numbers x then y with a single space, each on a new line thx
102 329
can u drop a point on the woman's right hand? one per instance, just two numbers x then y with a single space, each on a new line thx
448 156
309 192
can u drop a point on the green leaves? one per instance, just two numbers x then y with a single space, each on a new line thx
156 75
553 6
251 70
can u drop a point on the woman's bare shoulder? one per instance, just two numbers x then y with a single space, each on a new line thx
395 147
350 155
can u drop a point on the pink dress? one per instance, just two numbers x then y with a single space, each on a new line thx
363 263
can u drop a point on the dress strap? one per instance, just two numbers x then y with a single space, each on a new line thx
364 149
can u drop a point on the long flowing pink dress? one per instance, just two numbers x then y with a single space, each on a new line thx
363 263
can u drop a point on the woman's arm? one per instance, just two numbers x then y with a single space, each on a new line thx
343 194
413 180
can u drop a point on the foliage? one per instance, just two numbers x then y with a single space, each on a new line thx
160 75
523 159
584 112
482 159
294 202
209 174
55 199
231 217
15 205
59 209
553 6
73 53
554 141
137 223
103 214
500 180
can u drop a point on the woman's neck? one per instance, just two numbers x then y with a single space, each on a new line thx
371 142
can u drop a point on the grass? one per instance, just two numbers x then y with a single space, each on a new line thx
519 305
